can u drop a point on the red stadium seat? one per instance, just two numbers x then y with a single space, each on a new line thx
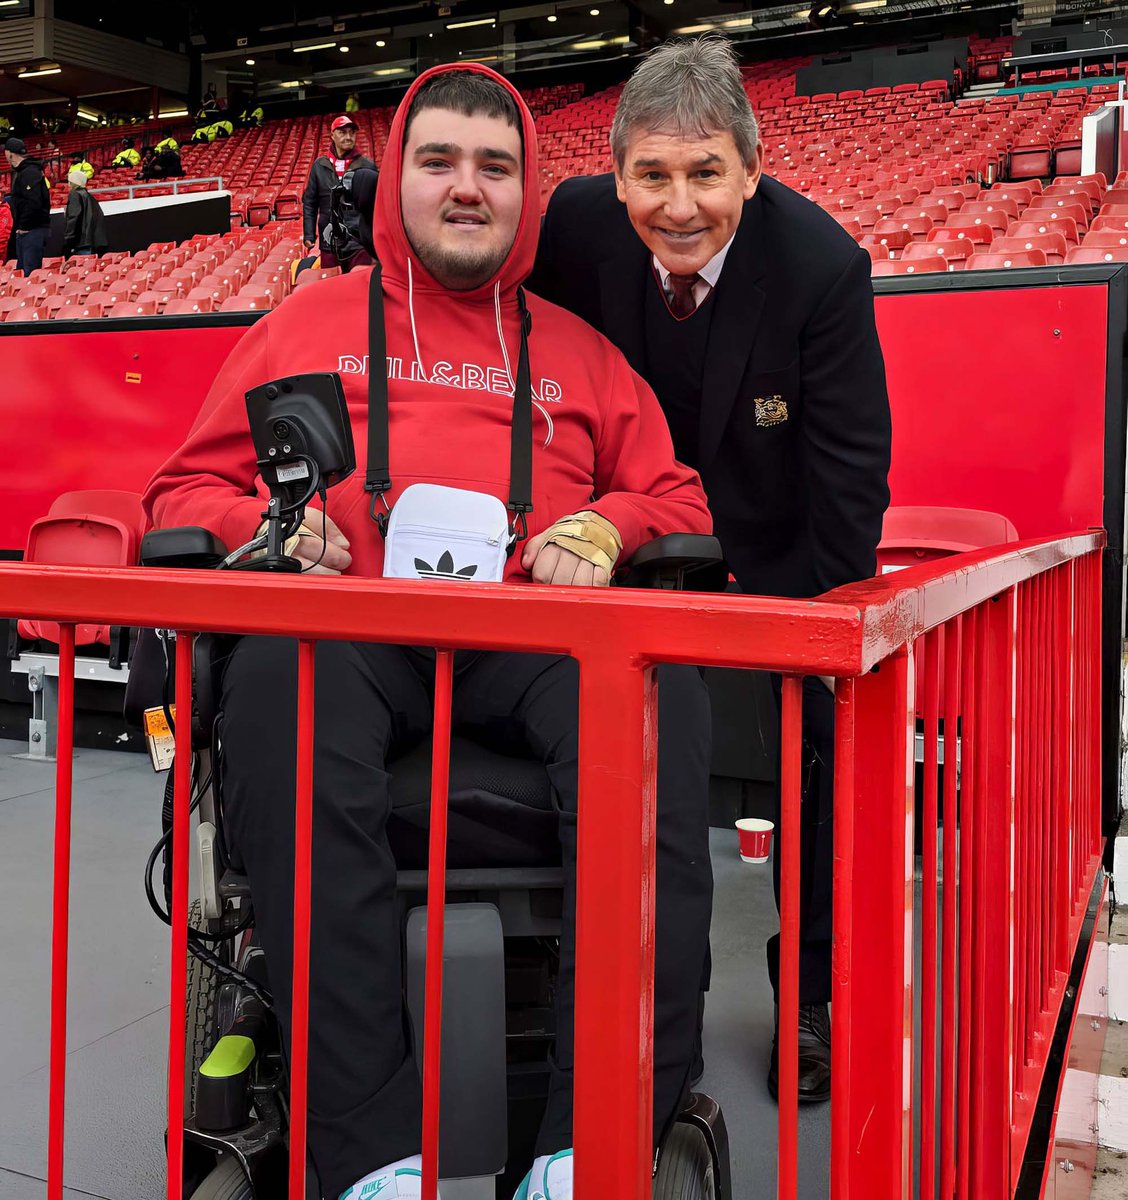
1109 222
906 266
1090 254
1005 260
1030 161
182 307
133 308
954 253
243 303
992 204
978 235
914 534
92 528
1061 206
894 238
1106 239
26 314
1052 245
1047 222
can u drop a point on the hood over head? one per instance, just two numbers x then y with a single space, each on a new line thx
390 239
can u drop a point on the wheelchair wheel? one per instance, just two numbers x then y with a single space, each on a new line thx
685 1166
226 1182
200 1003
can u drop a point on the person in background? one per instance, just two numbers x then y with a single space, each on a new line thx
750 312
80 163
7 244
31 206
352 104
209 108
252 115
85 231
163 161
324 175
127 156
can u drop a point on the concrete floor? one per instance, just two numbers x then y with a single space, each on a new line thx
118 1016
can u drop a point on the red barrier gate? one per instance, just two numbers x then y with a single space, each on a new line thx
1011 651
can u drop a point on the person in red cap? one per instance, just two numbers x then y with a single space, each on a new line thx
326 172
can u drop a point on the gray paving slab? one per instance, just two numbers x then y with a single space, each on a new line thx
118 959
118 994
16 1186
115 1115
738 1033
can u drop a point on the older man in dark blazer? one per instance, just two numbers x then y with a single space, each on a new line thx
750 313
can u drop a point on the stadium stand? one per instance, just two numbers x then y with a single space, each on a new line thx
245 270
911 173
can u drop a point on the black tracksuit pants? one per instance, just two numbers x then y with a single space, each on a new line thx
816 869
371 701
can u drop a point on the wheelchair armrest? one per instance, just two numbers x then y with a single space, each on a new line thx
691 562
185 546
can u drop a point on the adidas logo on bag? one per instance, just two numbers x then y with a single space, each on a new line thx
444 569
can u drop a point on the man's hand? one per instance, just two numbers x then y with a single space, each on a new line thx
554 564
306 547
307 249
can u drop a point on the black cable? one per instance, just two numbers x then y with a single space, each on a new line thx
311 491
162 637
233 973
321 491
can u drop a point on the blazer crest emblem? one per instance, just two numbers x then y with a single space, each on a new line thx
770 410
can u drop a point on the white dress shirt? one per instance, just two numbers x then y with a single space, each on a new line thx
708 275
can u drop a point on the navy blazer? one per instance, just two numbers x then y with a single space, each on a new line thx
795 430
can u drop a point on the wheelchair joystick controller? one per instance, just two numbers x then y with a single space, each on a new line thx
303 441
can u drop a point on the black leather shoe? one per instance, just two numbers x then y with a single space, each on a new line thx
814 1055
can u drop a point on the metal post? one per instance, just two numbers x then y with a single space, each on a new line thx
991 1164
436 914
44 723
881 1013
60 924
614 1070
303 880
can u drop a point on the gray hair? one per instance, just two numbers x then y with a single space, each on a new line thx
689 86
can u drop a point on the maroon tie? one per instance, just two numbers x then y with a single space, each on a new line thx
682 303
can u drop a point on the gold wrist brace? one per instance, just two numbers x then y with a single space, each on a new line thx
590 536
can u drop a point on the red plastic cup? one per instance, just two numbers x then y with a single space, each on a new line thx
755 839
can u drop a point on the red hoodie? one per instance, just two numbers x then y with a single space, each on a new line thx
600 438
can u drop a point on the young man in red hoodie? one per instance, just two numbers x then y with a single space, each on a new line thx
456 225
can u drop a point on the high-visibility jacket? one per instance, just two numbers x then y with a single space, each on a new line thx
82 165
128 157
169 143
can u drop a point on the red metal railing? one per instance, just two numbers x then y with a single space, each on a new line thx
1010 646
1008 650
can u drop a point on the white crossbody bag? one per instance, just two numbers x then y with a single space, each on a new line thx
438 532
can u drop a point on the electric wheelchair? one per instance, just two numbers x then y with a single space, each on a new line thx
504 895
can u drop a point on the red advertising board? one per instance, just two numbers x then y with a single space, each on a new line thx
999 400
97 409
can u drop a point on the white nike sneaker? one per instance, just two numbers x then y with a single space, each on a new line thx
550 1178
393 1182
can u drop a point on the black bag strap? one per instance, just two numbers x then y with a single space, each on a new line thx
378 477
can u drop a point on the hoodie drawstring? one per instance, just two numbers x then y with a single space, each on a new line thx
411 312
